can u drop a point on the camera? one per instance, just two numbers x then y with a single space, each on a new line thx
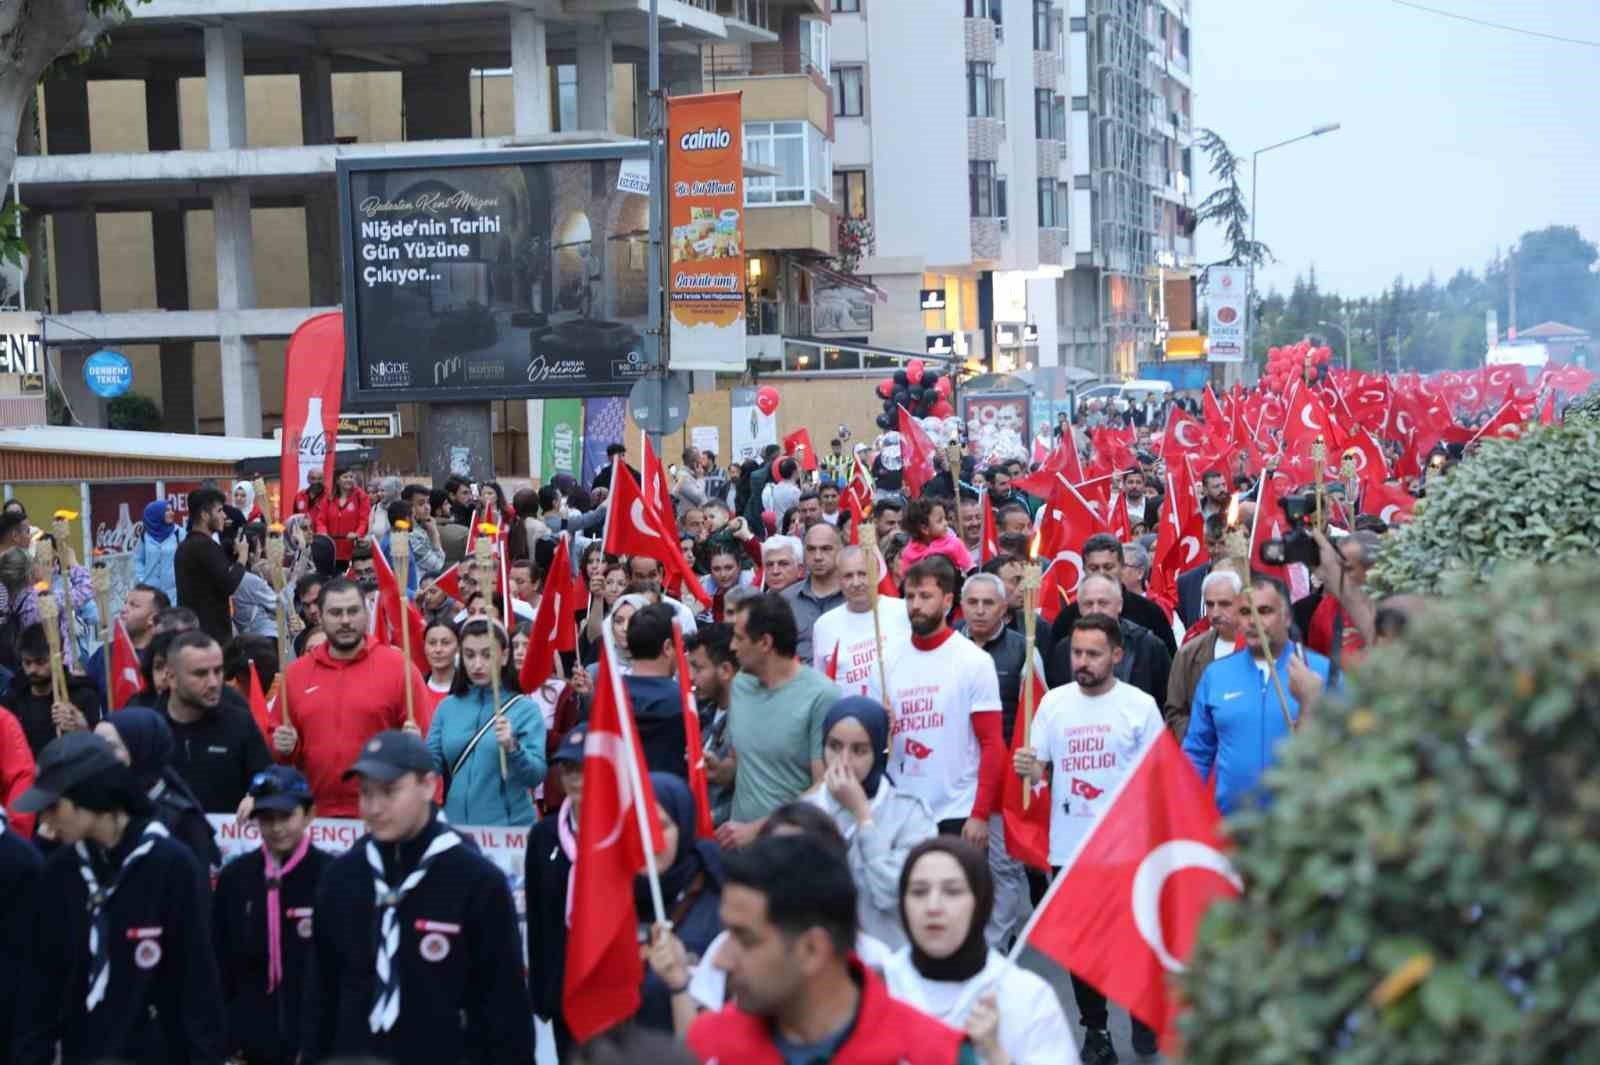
1297 545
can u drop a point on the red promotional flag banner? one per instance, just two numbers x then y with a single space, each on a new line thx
600 987
551 621
313 388
1027 831
635 528
916 454
127 680
1124 912
694 746
798 444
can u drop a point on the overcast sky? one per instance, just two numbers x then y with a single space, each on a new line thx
1456 138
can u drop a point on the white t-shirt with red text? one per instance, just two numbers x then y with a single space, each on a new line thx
852 635
1090 744
935 686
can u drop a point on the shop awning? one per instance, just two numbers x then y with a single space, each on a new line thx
827 277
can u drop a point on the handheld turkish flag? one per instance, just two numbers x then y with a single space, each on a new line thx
1124 911
1027 830
1269 524
258 705
832 671
916 454
635 528
126 679
552 622
798 444
1065 523
653 480
1063 460
390 616
1308 421
694 746
990 547
1390 502
449 582
600 988
1507 424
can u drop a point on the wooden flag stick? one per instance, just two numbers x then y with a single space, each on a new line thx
400 551
483 556
100 581
275 552
50 615
1032 580
1319 466
869 543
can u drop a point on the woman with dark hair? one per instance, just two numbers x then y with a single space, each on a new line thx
880 823
524 507
494 506
142 741
440 646
468 737
343 517
948 971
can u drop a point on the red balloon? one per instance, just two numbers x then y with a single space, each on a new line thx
886 388
914 370
942 386
766 399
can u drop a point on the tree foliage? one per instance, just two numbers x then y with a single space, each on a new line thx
1227 206
1421 889
133 410
1537 498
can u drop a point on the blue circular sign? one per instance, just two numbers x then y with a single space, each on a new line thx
108 373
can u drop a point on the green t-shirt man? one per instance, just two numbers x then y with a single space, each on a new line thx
777 734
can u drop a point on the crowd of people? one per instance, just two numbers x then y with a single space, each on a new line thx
859 701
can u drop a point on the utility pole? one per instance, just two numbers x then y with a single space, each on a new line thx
1511 326
655 346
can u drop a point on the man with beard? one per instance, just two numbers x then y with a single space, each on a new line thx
1144 663
1124 720
944 700
344 692
218 746
712 667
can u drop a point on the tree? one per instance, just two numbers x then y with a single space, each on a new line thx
33 35
1227 206
133 410
1555 279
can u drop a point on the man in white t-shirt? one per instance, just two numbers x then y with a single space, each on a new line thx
843 644
944 698
1089 733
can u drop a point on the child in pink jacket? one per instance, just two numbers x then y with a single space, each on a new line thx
926 522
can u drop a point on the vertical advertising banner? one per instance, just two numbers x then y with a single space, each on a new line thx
705 222
1226 292
313 386
563 437
605 422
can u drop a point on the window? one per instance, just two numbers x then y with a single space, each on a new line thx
566 97
814 43
1042 104
847 91
1058 119
1041 25
997 98
850 192
979 90
819 161
981 188
1000 209
848 7
1052 204
984 9
1183 41
782 146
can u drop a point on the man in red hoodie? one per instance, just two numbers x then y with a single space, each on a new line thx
343 693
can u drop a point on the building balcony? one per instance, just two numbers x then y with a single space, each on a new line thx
778 85
793 227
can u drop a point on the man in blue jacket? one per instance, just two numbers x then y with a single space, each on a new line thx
1237 720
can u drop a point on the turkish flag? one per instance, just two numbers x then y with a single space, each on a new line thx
1065 522
1027 831
1507 424
313 387
1371 466
1269 524
449 582
259 710
600 988
916 454
1308 421
387 622
553 630
1124 911
1063 460
1115 446
990 546
126 679
635 528
1184 436
1390 502
694 746
857 498
653 476
798 444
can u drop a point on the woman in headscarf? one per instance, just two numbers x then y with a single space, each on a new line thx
948 971
620 614
142 739
880 823
691 876
605 596
388 495
244 498
157 547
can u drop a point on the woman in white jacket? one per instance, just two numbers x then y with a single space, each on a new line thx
880 824
947 971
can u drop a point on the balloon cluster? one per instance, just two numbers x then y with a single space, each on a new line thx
923 392
1294 362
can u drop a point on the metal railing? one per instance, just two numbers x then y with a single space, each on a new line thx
758 62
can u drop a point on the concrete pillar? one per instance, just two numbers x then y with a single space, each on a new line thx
594 78
530 74
75 242
322 207
170 250
235 240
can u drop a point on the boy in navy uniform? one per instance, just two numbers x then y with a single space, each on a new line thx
262 919
19 877
415 950
119 963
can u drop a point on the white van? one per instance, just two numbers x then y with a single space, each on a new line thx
1130 392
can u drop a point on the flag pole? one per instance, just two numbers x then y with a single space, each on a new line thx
868 541
635 781
100 579
275 551
483 555
400 550
1031 581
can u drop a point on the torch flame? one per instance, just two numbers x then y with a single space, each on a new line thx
1033 548
1233 511
488 529
43 587
66 515
276 527
402 526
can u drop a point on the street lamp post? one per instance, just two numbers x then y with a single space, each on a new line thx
1255 157
1344 331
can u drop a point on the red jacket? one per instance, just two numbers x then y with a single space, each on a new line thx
337 705
886 1032
302 501
339 518
16 770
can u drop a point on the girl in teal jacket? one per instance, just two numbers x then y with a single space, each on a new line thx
466 737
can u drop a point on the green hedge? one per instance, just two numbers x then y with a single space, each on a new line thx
1444 820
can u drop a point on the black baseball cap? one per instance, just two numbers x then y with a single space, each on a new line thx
571 749
390 755
66 762
279 788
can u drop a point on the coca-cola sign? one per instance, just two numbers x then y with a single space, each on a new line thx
117 515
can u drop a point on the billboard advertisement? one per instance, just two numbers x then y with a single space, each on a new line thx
1227 289
998 426
517 274
705 229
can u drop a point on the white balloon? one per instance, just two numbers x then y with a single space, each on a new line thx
1152 875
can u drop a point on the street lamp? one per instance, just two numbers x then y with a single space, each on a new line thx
1255 156
1344 331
